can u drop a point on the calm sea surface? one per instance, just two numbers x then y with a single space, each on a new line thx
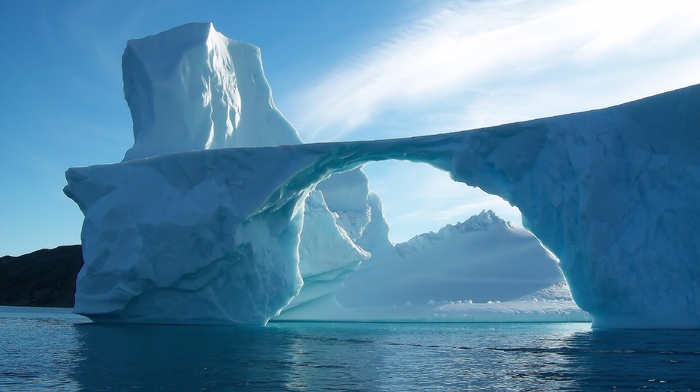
45 349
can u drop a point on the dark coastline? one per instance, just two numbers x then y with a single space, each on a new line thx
45 277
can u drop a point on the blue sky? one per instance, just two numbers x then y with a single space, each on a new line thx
339 70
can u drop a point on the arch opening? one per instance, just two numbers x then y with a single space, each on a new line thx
468 264
418 198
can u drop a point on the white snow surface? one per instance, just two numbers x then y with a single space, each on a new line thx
183 231
489 261
480 270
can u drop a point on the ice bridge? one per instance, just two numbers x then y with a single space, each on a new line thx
212 235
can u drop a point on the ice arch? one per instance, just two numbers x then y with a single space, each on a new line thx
212 236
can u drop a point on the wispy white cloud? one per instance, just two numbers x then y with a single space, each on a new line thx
473 64
470 52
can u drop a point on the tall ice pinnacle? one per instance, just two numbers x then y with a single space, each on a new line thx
191 88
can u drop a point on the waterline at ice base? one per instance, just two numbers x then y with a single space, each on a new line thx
219 214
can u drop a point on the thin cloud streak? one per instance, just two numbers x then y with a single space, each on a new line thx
478 46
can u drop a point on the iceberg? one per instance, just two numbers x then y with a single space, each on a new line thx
188 89
206 218
483 269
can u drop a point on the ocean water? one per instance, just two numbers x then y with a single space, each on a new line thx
50 349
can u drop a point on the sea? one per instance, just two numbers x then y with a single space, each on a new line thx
43 349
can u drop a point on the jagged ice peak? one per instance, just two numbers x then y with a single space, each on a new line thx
191 88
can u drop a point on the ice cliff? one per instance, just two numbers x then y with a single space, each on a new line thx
189 230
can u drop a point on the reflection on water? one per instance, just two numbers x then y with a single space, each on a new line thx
63 353
656 359
196 358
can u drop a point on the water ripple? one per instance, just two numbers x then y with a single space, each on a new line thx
56 351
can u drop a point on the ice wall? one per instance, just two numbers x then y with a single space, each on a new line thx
213 236
327 254
188 238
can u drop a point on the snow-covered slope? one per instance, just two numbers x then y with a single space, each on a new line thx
433 241
213 235
480 270
483 259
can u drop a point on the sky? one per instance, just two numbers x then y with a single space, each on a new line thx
339 70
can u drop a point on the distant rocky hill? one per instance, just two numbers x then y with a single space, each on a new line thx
42 278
